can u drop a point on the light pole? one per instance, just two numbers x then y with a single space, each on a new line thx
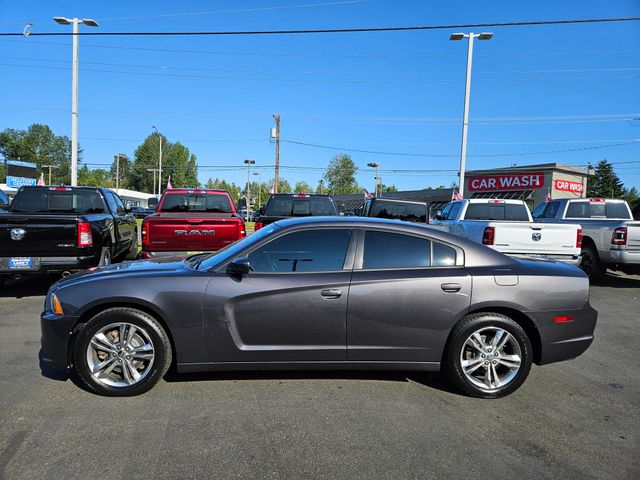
74 89
248 197
259 175
467 93
376 166
159 163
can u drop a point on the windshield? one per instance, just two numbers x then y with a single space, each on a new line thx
196 202
299 207
501 211
231 251
63 200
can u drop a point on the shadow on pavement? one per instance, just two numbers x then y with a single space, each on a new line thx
430 380
27 286
619 280
51 373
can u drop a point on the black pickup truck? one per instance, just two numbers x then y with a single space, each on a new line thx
59 229
286 205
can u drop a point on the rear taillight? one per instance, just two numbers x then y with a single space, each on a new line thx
489 235
242 231
85 239
146 238
579 238
619 236
257 226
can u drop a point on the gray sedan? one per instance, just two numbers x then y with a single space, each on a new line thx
322 293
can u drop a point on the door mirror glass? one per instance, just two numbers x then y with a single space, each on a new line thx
239 267
439 215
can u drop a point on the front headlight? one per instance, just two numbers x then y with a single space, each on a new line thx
56 306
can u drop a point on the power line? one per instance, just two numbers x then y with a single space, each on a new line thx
322 55
327 30
448 155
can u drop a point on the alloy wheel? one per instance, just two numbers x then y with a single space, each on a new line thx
120 354
490 358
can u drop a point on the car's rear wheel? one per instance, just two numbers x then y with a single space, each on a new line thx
122 352
488 356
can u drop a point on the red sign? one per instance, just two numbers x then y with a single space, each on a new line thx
568 186
516 181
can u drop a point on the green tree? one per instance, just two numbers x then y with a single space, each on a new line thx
220 184
341 175
631 196
177 162
98 177
283 185
302 187
605 182
388 188
38 144
321 189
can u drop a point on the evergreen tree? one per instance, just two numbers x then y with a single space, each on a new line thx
605 182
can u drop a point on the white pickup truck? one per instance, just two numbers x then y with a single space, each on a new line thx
611 236
507 226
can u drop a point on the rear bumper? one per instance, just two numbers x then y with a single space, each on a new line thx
625 257
42 265
574 260
180 254
566 340
56 333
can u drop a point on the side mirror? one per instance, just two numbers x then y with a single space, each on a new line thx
261 210
239 267
128 209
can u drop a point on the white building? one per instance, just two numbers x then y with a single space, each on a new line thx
129 197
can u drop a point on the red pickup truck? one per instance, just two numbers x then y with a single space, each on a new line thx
189 221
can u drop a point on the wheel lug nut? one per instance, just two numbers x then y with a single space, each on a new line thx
494 362
486 363
483 355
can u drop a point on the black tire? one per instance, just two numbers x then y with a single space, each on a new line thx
105 257
591 264
456 349
151 372
133 250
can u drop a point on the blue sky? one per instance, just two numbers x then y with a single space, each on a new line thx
535 89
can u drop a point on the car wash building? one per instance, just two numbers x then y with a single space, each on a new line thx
530 183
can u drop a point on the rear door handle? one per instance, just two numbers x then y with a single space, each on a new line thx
451 287
331 293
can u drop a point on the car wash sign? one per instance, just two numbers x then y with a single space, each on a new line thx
514 181
568 186
20 174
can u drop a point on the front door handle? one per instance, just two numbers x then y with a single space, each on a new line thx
331 293
451 287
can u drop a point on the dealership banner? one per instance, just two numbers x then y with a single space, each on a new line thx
20 174
568 186
515 181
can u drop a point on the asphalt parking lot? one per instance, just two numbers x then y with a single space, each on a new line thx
578 419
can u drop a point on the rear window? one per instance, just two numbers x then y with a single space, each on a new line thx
45 200
196 202
497 211
400 211
585 209
299 207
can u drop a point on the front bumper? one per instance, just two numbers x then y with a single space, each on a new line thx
565 340
42 265
56 334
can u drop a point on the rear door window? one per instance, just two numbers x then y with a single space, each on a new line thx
393 250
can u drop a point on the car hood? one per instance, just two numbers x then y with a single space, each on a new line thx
155 266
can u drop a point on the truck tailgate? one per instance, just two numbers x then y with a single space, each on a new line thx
633 236
536 238
191 232
38 235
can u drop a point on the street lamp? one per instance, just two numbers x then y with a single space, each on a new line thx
74 89
248 197
376 166
159 163
259 175
467 93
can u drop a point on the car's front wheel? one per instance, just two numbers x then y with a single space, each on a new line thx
122 352
488 356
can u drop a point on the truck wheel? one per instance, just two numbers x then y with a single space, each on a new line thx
591 264
133 250
122 352
105 257
488 355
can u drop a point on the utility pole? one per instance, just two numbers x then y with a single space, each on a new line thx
248 197
117 158
154 170
159 163
75 22
467 93
49 167
277 174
